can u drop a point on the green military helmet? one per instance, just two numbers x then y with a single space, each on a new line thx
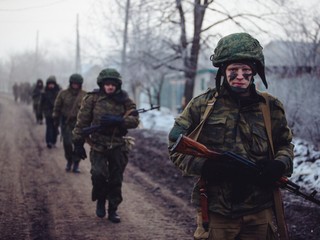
51 79
76 78
239 47
109 74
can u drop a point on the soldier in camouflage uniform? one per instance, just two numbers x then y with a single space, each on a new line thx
48 98
240 206
65 112
15 91
110 107
36 96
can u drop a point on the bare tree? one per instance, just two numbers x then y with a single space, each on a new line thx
300 86
187 47
18 68
181 29
301 29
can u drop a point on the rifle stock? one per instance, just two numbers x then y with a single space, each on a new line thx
189 146
186 145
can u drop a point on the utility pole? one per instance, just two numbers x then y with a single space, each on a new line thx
78 57
124 46
36 60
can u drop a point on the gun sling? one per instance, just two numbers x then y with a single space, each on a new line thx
277 198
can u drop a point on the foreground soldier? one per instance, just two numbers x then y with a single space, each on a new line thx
109 106
240 206
65 112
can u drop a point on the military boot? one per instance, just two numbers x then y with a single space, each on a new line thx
75 168
68 166
112 214
101 208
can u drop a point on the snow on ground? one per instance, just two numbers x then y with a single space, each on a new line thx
306 165
157 120
306 162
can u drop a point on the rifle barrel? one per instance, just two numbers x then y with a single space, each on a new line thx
189 146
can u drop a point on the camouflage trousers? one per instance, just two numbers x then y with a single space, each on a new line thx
107 170
257 226
66 132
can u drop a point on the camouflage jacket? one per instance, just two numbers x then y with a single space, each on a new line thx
93 107
65 106
238 127
36 95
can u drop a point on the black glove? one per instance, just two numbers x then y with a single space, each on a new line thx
218 170
272 170
80 151
108 120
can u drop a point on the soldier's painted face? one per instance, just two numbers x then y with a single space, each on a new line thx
239 76
109 88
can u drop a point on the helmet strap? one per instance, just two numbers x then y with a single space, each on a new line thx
218 78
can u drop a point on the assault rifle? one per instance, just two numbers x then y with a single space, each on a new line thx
188 146
93 128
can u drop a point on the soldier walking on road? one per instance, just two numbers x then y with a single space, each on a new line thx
109 107
36 97
66 107
46 108
240 203
15 91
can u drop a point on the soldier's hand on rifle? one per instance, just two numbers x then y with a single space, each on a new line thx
79 150
272 171
218 170
108 120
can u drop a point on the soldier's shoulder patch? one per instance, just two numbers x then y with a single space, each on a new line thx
207 94
277 103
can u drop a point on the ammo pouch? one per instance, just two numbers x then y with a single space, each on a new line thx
128 143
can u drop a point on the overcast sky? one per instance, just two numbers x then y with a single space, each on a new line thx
54 20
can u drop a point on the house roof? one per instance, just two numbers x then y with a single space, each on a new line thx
290 53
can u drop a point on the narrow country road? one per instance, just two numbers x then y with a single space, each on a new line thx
39 200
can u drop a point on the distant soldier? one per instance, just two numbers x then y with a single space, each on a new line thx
36 97
15 91
48 98
25 92
110 107
65 112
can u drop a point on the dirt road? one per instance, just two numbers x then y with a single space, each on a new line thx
39 200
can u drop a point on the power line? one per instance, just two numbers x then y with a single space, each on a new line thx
31 7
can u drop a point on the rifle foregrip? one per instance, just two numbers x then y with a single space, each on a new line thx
90 130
